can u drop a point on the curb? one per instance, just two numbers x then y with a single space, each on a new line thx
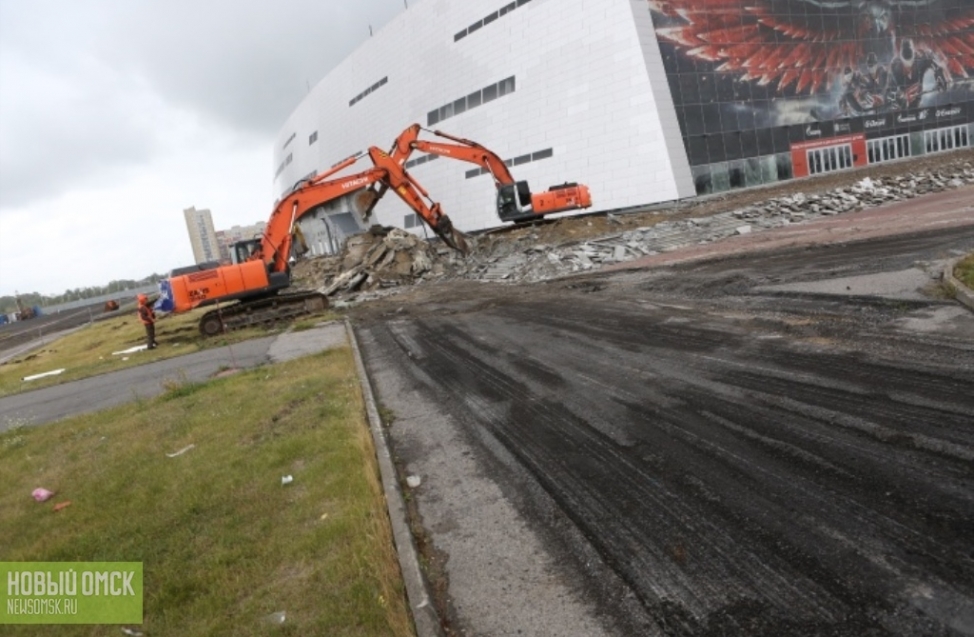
963 294
426 620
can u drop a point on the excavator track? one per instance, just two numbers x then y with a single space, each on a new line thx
262 312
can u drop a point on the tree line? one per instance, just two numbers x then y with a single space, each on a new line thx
8 304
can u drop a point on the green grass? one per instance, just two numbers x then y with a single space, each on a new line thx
223 543
89 351
964 271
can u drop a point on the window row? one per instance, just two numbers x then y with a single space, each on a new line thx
420 160
287 161
743 173
888 148
368 91
829 159
507 8
946 138
475 99
708 149
517 161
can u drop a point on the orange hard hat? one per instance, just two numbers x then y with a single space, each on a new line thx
142 298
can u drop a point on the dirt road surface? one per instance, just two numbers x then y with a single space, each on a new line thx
719 447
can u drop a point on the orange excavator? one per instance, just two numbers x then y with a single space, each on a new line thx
261 267
515 201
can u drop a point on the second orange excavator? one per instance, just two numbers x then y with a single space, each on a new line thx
515 201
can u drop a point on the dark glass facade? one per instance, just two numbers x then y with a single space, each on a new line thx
773 89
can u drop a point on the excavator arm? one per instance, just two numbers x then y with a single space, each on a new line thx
416 197
278 237
515 201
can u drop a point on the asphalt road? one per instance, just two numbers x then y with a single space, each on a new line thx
145 381
108 390
694 450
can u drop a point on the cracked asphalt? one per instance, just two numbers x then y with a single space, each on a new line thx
717 447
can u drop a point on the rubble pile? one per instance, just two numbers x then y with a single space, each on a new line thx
381 258
386 258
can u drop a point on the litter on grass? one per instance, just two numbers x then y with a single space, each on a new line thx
42 495
36 376
62 505
131 350
276 618
287 479
180 452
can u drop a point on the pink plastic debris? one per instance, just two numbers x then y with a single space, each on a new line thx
42 495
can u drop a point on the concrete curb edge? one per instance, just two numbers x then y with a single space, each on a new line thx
963 293
425 618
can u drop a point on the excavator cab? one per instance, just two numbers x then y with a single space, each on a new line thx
242 250
514 202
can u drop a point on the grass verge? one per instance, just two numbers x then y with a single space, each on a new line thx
91 350
223 543
964 271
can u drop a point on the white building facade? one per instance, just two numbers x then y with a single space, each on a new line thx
644 101
570 90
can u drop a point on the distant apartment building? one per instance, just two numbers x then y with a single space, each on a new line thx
202 235
226 238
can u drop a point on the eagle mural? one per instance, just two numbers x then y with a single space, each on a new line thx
827 59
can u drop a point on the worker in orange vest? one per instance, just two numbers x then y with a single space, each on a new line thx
148 318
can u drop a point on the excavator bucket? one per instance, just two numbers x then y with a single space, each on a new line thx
454 238
450 235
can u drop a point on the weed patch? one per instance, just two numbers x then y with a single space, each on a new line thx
964 271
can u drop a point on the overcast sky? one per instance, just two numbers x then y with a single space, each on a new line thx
115 115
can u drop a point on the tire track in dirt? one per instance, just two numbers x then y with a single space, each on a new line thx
747 466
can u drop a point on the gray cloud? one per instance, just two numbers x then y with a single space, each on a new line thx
247 64
92 89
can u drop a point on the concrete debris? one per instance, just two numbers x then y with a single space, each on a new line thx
380 258
384 260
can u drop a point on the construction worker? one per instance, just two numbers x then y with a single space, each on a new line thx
148 318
